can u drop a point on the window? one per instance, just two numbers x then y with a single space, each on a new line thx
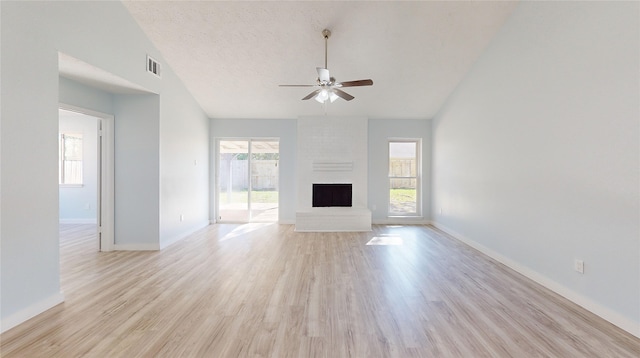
70 159
404 177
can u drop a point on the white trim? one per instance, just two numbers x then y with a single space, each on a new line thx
107 184
106 187
406 220
573 296
31 311
136 247
286 222
93 221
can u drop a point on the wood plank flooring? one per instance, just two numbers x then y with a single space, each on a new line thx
263 290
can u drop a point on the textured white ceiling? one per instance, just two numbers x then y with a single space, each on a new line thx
233 55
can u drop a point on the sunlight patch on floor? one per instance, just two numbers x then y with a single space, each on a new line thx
385 240
244 229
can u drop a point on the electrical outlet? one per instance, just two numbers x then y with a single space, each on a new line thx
578 265
181 217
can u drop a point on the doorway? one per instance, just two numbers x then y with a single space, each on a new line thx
85 167
247 180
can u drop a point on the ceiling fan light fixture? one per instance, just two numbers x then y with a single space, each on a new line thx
332 96
322 96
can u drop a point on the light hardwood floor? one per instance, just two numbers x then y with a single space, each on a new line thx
263 290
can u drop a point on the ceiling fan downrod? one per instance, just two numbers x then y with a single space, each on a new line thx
325 33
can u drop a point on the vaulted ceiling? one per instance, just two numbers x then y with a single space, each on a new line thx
232 55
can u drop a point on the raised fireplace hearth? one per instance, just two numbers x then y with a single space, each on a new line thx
333 219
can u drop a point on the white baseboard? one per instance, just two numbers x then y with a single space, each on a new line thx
31 311
581 300
401 221
136 247
79 221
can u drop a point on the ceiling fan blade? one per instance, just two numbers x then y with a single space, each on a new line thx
357 83
323 74
312 94
342 94
296 85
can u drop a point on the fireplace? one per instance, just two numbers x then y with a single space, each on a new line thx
328 195
332 174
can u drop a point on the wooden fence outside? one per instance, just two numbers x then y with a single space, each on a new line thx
264 174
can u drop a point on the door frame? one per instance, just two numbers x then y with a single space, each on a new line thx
106 187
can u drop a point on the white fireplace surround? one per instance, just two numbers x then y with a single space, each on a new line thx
332 150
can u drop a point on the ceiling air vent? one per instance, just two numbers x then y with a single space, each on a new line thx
153 66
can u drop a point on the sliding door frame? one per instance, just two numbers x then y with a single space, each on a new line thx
217 183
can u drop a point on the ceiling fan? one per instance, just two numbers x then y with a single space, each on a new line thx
326 86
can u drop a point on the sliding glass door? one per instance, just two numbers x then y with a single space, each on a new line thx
233 187
263 198
247 180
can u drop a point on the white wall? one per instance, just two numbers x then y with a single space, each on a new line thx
285 130
78 203
536 154
137 169
29 112
104 35
184 163
380 131
79 95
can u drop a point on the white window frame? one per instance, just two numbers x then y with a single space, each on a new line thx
62 173
418 177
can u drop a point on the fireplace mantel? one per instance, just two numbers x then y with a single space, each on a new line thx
332 166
